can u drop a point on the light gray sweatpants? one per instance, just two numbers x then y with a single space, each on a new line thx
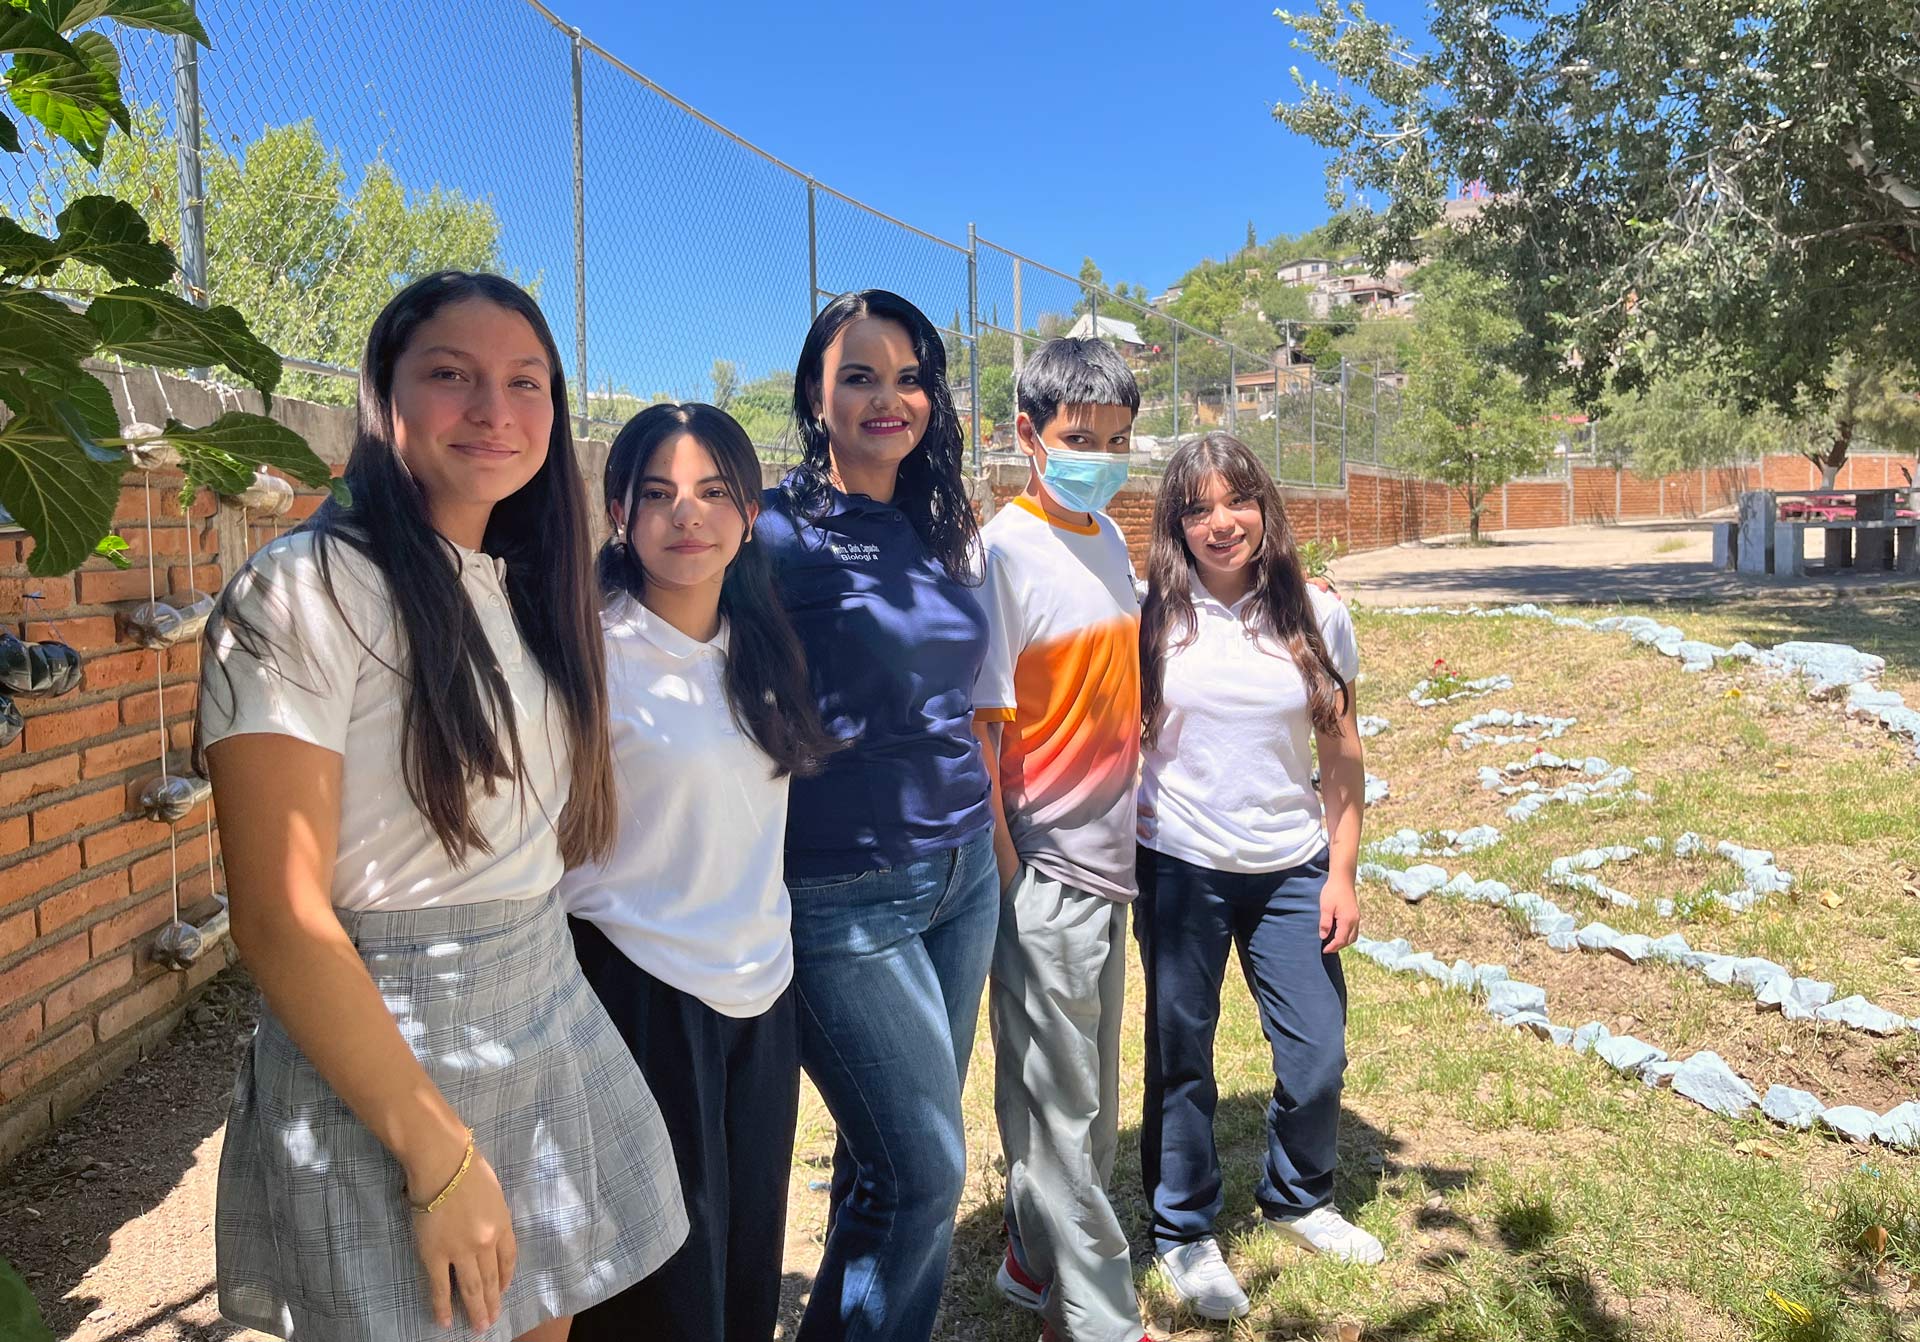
1059 974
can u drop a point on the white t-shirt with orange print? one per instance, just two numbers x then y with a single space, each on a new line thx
1063 672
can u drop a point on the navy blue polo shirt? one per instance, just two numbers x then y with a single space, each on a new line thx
893 645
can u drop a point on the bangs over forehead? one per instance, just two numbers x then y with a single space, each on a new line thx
1237 469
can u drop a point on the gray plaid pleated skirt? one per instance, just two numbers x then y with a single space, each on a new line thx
313 1237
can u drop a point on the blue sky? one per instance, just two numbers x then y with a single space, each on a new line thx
1135 131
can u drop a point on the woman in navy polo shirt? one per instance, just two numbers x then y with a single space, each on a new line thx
889 853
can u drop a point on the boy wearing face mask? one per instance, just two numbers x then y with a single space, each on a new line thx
1057 710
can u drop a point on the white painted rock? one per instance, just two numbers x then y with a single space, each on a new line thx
1632 947
1371 725
1588 1035
1790 1107
1899 1126
1596 937
1624 1053
1505 997
1706 1079
1850 1121
1858 1013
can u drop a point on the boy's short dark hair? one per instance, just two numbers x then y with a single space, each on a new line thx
1074 370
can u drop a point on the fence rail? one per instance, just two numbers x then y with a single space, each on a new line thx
319 154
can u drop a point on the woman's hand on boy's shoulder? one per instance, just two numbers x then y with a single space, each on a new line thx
1326 585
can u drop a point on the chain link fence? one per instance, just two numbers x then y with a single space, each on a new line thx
320 154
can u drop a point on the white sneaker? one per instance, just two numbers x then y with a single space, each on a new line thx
1203 1281
1326 1231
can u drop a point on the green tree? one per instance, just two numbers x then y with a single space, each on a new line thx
996 393
63 450
764 407
309 264
1670 183
1089 276
725 377
1466 419
1864 401
1682 423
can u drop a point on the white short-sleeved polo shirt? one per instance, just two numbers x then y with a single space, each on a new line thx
334 674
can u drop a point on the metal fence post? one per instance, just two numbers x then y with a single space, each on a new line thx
580 228
1374 412
1093 309
186 157
1343 419
1277 467
1233 388
1176 384
1313 427
813 257
973 339
1019 326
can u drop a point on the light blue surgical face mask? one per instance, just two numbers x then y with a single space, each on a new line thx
1084 481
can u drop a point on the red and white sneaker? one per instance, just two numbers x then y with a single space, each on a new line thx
1016 1285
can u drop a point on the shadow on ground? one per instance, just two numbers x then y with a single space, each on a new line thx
115 1163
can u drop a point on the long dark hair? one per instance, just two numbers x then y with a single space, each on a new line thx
767 686
931 488
1278 607
458 707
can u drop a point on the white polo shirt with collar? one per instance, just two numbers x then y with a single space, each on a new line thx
694 892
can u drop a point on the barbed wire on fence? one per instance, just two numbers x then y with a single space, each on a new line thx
321 154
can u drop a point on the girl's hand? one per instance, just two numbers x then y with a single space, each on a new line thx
1339 916
467 1240
1143 821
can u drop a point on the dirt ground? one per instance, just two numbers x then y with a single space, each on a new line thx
1651 561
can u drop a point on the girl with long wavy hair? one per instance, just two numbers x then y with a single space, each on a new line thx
404 715
685 930
889 853
1246 672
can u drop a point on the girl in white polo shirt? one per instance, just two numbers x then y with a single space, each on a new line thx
403 712
1245 669
685 930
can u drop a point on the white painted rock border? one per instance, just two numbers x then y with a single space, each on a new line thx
1372 725
1599 781
1763 877
1703 1078
1422 694
1773 986
1433 843
1529 727
1831 670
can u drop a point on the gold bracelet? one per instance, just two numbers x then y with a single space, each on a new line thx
466 1163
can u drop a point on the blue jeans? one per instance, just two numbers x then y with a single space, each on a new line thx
1187 919
889 967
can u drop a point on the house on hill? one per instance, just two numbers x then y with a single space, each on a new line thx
1307 270
1124 334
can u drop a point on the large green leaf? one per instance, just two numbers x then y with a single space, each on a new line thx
162 16
20 1319
70 402
23 252
75 99
38 332
156 327
108 233
26 32
64 498
225 452
95 230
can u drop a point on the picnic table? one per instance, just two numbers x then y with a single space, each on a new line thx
1862 529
